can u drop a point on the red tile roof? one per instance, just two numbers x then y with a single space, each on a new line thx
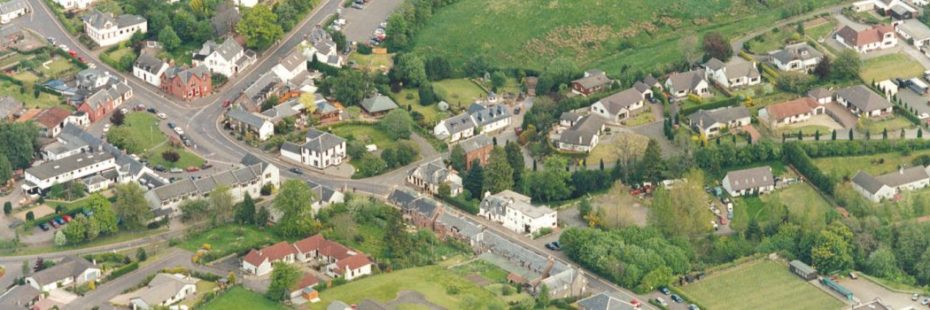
791 108
309 244
273 253
52 117
334 250
307 281
352 262
254 257
865 36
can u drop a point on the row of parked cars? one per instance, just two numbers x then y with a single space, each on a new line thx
62 220
674 297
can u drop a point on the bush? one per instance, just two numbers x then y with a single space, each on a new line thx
123 270
267 189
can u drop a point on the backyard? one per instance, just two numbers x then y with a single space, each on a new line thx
459 93
758 285
238 298
890 66
29 100
847 167
410 97
893 125
802 203
227 239
618 145
373 62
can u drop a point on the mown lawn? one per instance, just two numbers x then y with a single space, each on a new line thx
759 285
227 239
372 62
848 166
188 159
369 134
58 67
238 298
893 125
459 93
803 205
29 100
821 30
143 128
890 66
430 113
437 284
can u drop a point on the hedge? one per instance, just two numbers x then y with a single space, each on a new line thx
795 155
727 102
123 270
470 206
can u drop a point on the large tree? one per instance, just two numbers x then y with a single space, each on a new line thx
6 170
456 158
19 143
294 201
103 213
515 158
221 204
683 211
245 213
650 165
260 27
409 69
716 46
283 277
499 175
397 124
552 183
131 206
832 250
349 86
847 65
474 180
168 38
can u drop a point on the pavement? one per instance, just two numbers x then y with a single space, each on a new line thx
361 23
866 291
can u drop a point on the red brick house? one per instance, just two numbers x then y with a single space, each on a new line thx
187 83
477 148
105 100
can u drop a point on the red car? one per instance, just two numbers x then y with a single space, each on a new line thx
66 218
192 169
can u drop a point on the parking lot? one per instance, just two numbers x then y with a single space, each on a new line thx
867 291
361 23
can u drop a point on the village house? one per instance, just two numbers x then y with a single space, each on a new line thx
620 106
50 121
491 117
352 267
246 122
228 58
74 5
92 79
70 270
266 86
897 9
291 65
431 175
336 259
790 112
320 150
710 123
12 9
477 148
107 30
682 84
455 128
887 186
420 211
863 102
320 45
149 69
291 108
325 196
258 262
605 301
914 31
515 212
821 95
796 57
378 105
105 100
750 181
735 73
567 120
583 136
163 290
593 81
869 39
20 297
187 83
325 111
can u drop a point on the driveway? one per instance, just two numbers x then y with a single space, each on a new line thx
867 291
361 23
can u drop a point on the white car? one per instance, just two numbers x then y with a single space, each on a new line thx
64 48
661 302
162 115
179 130
106 127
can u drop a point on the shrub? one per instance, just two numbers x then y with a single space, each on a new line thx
123 270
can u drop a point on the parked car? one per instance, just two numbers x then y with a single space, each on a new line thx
853 275
557 245
925 302
295 170
915 297
549 246
106 127
206 165
59 220
67 218
192 169
677 298
53 224
52 40
661 302
665 291
162 115
152 110
43 226
160 168
179 130
516 111
64 48
693 307
635 303
124 110
139 107
187 142
171 125
176 170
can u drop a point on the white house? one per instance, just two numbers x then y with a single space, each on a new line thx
490 118
796 57
228 58
291 65
12 9
319 150
244 121
681 84
735 73
433 174
887 186
350 268
320 44
617 107
791 112
749 181
74 4
259 262
164 290
515 212
71 270
863 102
583 136
710 123
41 177
914 31
149 69
869 39
107 30
455 128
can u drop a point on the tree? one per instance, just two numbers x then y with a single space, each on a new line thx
716 46
542 299
882 263
269 103
131 206
682 211
194 210
833 135
824 68
476 66
499 174
349 86
75 231
552 183
689 47
30 216
474 181
308 101
339 38
19 143
91 229
118 118
457 158
6 170
221 205
283 277
438 68
397 124
294 201
141 255
427 95
832 251
245 214
847 65
515 158
498 79
7 207
409 69
60 239
260 27
171 156
168 38
651 163
262 217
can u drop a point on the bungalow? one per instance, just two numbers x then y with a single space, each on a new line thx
868 39
431 175
319 150
490 118
583 136
916 32
887 186
735 73
149 69
618 107
187 83
863 102
258 262
325 196
516 213
70 270
227 58
455 128
162 291
339 261
12 9
320 45
821 95
710 123
105 100
568 119
796 57
681 84
592 82
106 30
605 301
477 148
378 105
258 124
20 297
350 268
897 9
51 121
791 112
749 181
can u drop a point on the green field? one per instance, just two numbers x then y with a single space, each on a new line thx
890 66
803 205
894 126
644 35
774 39
758 285
143 128
369 134
238 298
840 167
227 239
188 159
433 282
459 93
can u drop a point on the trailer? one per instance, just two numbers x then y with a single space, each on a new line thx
836 287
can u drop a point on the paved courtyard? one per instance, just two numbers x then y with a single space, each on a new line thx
361 23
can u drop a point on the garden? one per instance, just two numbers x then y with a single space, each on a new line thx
227 239
238 298
140 133
391 135
890 66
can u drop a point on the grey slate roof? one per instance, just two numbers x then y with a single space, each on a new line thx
867 182
751 178
622 100
290 147
686 80
476 142
569 116
378 103
820 92
162 287
12 6
293 60
500 202
584 131
105 95
18 297
894 179
714 64
402 197
459 123
433 172
604 301
720 115
102 20
245 117
321 141
321 41
863 98
264 84
915 28
9 106
186 73
204 185
70 266
594 78
465 227
71 163
149 63
484 115
323 192
227 50
800 51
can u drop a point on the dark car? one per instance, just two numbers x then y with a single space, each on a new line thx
160 168
693 307
152 110
295 170
206 165
665 291
59 220
171 125
677 298
43 226
549 246
516 111
557 244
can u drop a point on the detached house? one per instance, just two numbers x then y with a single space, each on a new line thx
796 57
620 106
455 128
107 30
516 213
592 82
320 45
887 186
898 9
227 58
338 261
863 102
490 118
749 181
914 31
105 100
354 266
72 270
866 40
583 136
149 69
164 290
258 262
477 148
710 123
433 174
681 84
319 150
243 121
51 121
378 105
187 83
12 9
791 112
735 73
292 65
